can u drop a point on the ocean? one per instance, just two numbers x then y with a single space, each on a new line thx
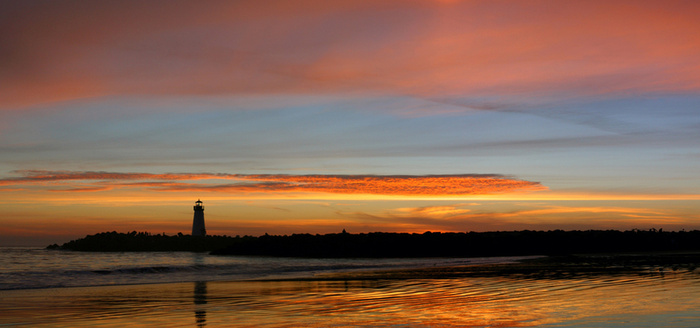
31 268
50 288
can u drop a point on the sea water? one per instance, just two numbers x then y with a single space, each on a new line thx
29 268
68 289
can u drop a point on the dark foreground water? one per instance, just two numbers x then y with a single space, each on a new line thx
658 297
31 268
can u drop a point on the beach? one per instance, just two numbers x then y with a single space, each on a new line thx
483 295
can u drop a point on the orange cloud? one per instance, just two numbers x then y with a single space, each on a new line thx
434 211
400 185
459 217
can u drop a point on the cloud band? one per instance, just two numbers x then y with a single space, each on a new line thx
399 185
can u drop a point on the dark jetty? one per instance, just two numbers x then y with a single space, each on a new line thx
472 244
144 242
382 244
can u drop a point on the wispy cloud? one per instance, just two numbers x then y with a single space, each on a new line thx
433 211
458 217
403 185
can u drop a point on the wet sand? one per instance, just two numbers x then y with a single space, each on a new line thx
613 291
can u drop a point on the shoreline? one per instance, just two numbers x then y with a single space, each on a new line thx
535 266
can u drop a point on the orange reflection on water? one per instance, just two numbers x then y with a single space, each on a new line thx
461 302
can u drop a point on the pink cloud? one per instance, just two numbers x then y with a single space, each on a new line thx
57 51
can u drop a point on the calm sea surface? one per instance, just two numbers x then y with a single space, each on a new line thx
42 288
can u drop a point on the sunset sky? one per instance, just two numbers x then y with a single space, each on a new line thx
317 116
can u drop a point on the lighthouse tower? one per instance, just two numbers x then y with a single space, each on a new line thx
198 222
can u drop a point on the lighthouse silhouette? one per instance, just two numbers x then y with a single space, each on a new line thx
198 221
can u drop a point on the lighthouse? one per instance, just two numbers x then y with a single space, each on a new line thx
198 222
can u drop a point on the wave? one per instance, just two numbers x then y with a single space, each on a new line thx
151 269
252 270
39 268
163 274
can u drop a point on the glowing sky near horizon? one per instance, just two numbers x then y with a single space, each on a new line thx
317 116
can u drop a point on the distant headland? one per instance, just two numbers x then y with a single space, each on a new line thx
386 244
